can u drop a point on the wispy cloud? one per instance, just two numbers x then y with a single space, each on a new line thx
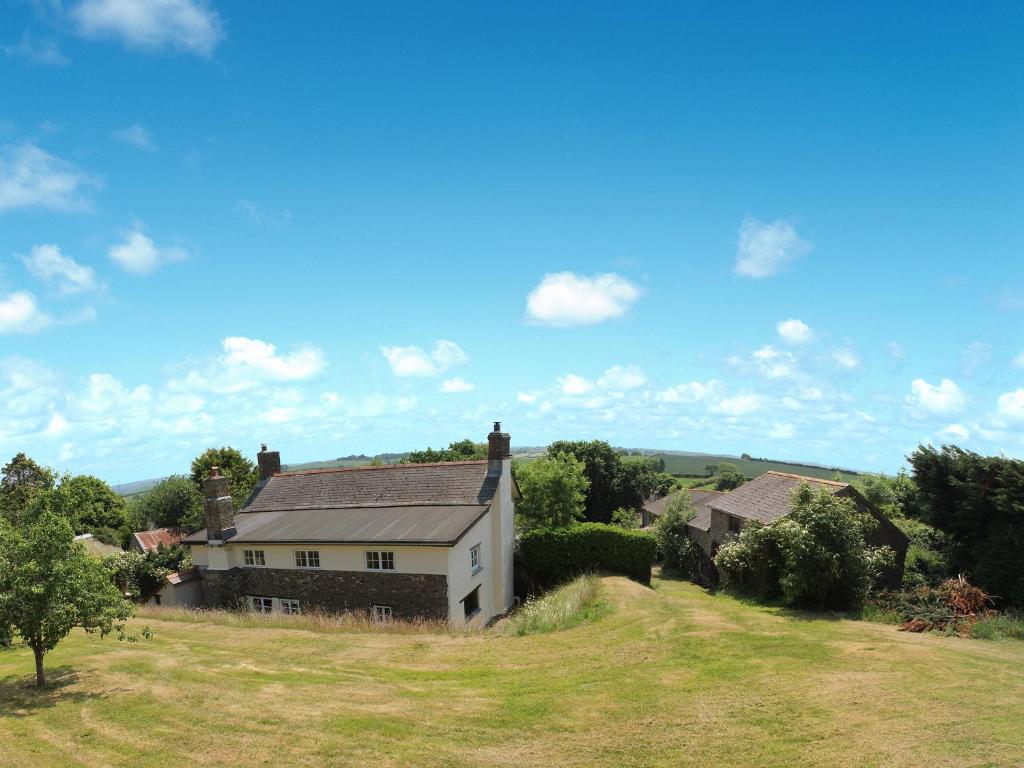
139 254
46 262
189 26
19 313
137 136
565 299
41 52
32 177
456 385
767 249
415 361
260 214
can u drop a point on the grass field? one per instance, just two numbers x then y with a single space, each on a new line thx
668 676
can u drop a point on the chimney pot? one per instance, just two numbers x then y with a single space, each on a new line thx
214 471
263 446
269 462
497 426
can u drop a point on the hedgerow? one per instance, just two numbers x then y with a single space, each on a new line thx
551 556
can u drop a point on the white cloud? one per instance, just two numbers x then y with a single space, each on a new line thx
262 358
622 377
46 262
775 364
794 331
137 136
19 313
895 350
1011 405
183 25
139 254
415 361
32 177
944 398
846 359
692 392
956 431
57 426
782 431
766 249
458 384
527 398
739 405
574 385
42 52
566 299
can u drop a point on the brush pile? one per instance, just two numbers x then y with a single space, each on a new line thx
954 606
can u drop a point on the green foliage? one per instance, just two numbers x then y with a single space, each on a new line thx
678 550
20 479
815 558
729 480
561 608
49 585
976 501
172 503
999 627
926 563
626 518
551 556
92 506
614 481
139 576
462 450
553 491
241 473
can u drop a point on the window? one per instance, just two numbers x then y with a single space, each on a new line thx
307 558
471 603
380 561
474 559
289 606
262 604
734 524
381 613
156 599
253 557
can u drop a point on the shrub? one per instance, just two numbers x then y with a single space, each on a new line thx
624 517
678 550
815 558
551 556
926 562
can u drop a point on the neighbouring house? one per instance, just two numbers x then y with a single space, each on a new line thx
654 508
430 541
96 547
178 588
145 542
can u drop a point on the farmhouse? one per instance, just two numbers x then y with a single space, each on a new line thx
407 540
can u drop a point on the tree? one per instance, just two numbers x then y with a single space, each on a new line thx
729 480
49 586
139 575
241 473
20 479
553 491
461 450
92 506
626 518
175 502
678 550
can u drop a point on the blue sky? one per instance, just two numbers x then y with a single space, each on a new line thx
792 231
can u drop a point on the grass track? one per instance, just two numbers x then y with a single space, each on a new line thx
669 676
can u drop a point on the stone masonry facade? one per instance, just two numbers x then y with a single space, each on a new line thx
410 595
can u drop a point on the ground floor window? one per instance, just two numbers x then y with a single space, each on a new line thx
262 604
471 603
289 606
382 613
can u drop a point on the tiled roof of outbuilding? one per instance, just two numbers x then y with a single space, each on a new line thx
769 497
149 541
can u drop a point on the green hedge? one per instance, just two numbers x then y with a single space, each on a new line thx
550 556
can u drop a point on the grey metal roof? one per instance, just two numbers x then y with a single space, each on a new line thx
450 483
410 524
769 497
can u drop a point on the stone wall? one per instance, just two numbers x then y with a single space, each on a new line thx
410 595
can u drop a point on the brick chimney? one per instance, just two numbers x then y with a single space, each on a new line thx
217 508
498 448
269 462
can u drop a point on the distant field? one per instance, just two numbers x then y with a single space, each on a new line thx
669 676
694 465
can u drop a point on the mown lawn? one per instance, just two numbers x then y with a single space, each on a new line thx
668 676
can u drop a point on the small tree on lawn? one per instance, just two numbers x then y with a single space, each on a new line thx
680 552
553 491
49 586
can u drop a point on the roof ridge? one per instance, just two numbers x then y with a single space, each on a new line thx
333 470
388 505
806 477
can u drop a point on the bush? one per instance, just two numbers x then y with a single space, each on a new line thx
926 563
815 558
624 517
551 556
678 550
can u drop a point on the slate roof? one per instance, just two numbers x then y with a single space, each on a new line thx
700 499
769 497
428 504
148 541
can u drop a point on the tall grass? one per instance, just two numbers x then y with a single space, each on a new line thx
327 623
999 626
566 606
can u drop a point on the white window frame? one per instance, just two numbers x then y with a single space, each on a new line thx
307 556
381 613
254 555
475 559
379 560
289 606
260 604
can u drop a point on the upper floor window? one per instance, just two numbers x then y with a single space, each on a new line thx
380 561
735 524
475 563
307 558
253 557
